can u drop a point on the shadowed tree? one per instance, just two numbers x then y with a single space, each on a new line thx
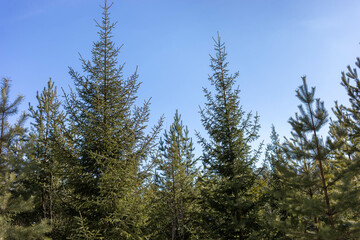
12 204
306 173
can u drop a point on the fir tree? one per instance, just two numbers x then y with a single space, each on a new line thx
111 144
174 202
228 157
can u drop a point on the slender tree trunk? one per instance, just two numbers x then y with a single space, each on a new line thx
174 218
316 219
2 130
51 199
324 185
43 200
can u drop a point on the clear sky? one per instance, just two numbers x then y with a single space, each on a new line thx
272 43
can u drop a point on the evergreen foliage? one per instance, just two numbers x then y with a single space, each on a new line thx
12 204
111 143
344 139
228 202
273 188
306 173
174 202
90 168
46 155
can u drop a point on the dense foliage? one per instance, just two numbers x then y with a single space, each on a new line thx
89 167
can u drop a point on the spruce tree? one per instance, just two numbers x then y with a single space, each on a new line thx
273 188
112 144
273 153
227 199
174 202
13 204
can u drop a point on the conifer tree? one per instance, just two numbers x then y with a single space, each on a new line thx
273 153
174 202
111 144
12 204
46 154
343 141
9 135
228 204
273 189
306 173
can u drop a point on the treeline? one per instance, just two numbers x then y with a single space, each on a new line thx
89 167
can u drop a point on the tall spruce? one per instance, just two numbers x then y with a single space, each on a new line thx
13 204
111 144
174 201
227 200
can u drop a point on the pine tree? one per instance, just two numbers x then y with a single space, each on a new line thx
12 138
306 173
46 155
111 144
9 135
343 141
174 202
228 202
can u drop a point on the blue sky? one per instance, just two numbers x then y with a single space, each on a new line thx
271 43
